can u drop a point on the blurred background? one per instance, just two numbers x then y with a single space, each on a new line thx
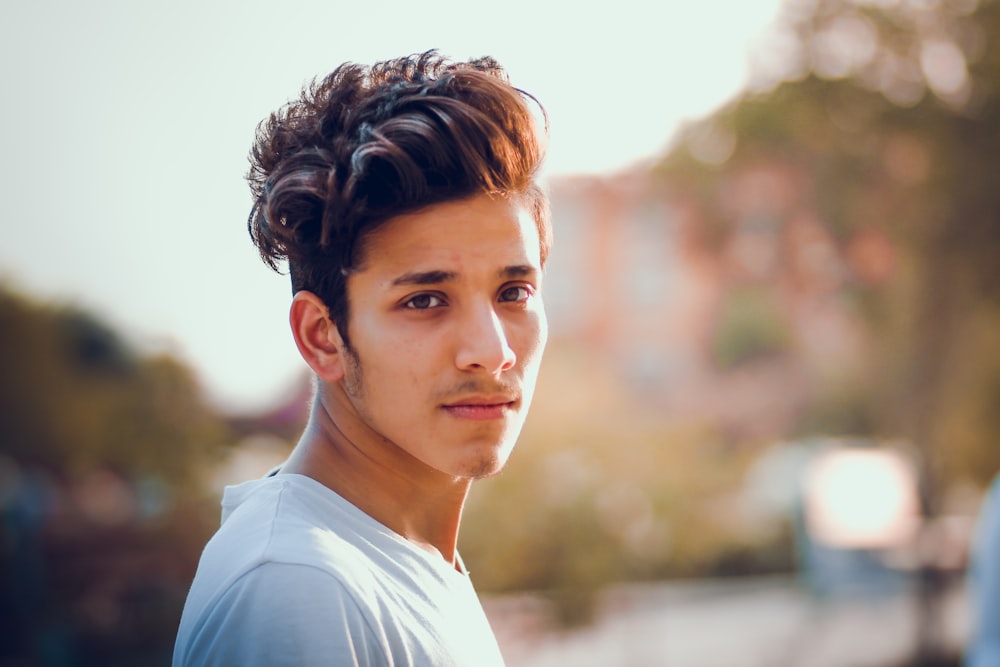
767 415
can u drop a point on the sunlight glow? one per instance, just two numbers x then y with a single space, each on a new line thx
861 498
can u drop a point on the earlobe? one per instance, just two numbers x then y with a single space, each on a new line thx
316 336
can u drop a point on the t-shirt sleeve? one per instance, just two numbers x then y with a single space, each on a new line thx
280 615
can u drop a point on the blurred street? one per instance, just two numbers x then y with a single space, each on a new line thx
765 622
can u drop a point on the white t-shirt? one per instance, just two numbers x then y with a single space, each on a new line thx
296 575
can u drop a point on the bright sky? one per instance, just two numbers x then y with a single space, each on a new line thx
126 127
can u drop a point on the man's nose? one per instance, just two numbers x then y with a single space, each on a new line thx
483 343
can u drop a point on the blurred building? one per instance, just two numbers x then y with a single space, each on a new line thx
733 315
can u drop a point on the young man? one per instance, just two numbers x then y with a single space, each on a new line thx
403 197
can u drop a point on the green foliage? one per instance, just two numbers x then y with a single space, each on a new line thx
749 327
970 412
76 397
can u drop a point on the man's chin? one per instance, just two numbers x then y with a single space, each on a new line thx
487 465
489 471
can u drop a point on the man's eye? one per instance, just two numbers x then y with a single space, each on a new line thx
516 293
424 301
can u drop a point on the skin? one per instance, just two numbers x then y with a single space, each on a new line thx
447 328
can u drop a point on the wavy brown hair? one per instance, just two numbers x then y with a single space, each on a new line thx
366 144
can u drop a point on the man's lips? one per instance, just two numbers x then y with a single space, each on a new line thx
480 407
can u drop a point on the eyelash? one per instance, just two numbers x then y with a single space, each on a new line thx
409 302
528 292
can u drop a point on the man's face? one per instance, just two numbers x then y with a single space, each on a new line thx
447 328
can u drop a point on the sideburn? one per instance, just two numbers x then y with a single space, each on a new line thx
353 383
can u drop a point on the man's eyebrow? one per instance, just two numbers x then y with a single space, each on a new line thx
519 271
425 278
437 277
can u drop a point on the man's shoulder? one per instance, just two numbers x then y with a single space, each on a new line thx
282 565
291 522
279 614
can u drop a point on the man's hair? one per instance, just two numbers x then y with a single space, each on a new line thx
366 144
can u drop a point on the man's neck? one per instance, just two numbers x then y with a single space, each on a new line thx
419 503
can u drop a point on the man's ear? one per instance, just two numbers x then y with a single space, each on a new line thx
316 336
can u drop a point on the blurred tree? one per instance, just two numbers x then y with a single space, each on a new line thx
75 397
103 502
891 110
918 162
